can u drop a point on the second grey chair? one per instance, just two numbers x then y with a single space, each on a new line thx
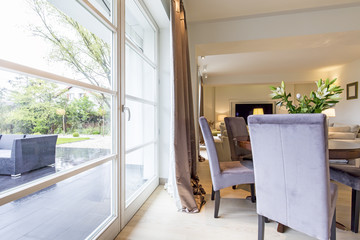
224 174
236 127
291 168
350 176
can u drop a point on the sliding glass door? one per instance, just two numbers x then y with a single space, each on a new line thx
141 85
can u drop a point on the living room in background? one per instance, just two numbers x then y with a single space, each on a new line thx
58 110
141 106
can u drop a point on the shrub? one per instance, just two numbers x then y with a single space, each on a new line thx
95 132
76 134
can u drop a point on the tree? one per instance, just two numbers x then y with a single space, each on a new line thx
87 54
34 106
80 112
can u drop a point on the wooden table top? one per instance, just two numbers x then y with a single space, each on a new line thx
244 142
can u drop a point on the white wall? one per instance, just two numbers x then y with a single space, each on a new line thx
347 111
285 25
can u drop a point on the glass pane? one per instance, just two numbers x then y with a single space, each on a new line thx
141 127
71 209
140 167
138 29
56 127
140 77
104 6
43 37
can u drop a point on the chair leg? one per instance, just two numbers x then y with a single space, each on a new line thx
217 203
253 197
333 227
261 227
355 209
212 193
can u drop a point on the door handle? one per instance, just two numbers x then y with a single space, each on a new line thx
128 110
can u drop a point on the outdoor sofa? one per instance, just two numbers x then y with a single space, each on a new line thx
23 153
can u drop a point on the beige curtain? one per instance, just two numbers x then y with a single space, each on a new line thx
190 191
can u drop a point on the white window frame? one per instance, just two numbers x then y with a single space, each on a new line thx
132 205
41 183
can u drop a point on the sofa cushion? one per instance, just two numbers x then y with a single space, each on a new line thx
342 135
7 140
353 127
5 154
340 129
33 136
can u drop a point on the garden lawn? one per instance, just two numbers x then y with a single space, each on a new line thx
70 140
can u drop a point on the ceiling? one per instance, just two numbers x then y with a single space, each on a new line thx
304 53
271 56
209 10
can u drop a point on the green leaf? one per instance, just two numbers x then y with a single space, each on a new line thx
277 97
273 88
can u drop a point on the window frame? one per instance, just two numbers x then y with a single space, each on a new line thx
131 203
41 183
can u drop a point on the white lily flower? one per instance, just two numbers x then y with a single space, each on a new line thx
298 96
273 94
280 91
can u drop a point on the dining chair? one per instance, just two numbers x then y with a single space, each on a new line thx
223 174
236 127
350 176
291 168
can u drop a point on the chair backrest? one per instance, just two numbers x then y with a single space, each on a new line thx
235 127
290 157
210 148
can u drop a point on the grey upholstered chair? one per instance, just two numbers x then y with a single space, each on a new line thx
236 127
350 176
224 174
291 168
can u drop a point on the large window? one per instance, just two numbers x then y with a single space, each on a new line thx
58 115
141 85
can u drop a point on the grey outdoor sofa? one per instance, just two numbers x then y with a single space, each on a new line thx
23 153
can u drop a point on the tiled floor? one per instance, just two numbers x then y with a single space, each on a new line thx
158 218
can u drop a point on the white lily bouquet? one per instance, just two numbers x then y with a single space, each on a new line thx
326 96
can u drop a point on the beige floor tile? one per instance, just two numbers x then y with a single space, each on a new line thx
158 218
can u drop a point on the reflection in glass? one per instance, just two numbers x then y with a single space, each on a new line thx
139 77
71 209
141 127
139 30
140 167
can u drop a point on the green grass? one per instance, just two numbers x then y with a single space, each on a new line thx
70 140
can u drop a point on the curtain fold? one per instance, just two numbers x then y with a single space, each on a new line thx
190 192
